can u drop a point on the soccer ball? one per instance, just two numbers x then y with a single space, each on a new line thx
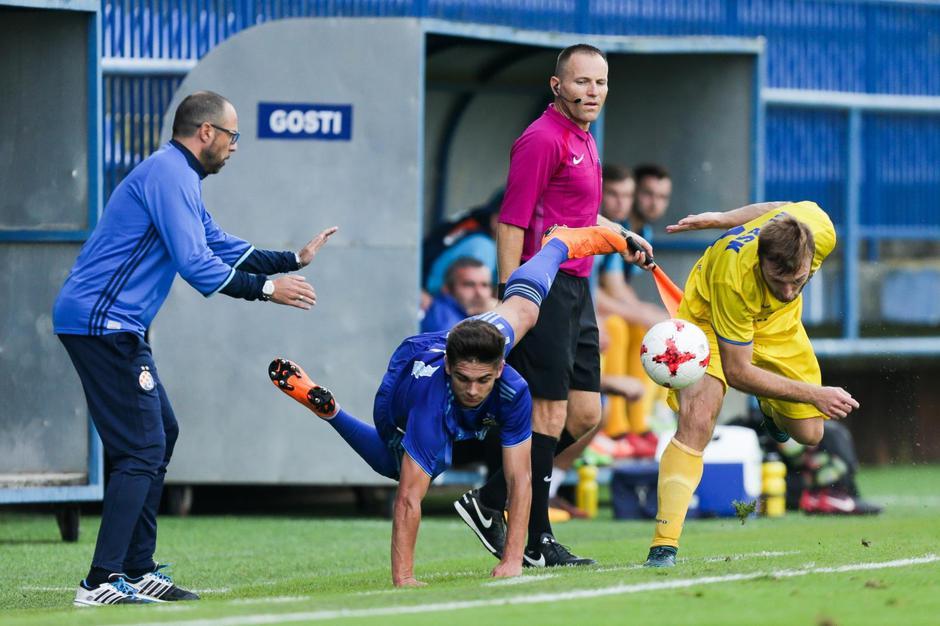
675 353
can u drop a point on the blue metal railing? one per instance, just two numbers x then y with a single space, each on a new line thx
869 160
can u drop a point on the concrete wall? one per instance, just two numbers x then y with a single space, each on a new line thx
277 193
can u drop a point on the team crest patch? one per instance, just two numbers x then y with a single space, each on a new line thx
146 380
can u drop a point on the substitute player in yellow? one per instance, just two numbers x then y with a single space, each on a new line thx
745 294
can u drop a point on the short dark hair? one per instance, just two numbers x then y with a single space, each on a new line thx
475 340
465 261
649 170
202 106
613 173
566 54
785 243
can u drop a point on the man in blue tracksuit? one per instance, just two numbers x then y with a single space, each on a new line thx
154 227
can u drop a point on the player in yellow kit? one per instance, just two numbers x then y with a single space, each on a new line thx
744 293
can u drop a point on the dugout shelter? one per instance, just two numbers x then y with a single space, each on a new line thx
382 126
50 182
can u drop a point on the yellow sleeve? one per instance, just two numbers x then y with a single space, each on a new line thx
824 233
731 319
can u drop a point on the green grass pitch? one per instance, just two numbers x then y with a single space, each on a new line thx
270 570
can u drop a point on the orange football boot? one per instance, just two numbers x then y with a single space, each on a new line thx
588 241
289 378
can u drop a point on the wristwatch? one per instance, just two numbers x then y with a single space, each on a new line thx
267 290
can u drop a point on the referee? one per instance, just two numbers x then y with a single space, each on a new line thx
154 227
554 178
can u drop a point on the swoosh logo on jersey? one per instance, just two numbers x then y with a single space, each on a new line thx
577 160
547 479
422 369
487 522
540 562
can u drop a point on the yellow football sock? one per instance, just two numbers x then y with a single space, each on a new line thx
680 471
614 363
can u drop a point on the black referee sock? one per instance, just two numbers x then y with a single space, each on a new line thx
564 442
543 454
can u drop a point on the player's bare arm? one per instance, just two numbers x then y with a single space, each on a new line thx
509 240
743 375
517 465
723 219
412 487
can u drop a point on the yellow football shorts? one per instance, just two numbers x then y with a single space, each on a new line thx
780 346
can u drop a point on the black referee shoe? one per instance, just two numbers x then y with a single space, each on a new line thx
488 524
550 553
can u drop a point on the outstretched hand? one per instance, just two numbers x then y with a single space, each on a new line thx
309 251
835 402
294 290
697 221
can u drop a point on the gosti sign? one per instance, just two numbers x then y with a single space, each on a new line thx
325 122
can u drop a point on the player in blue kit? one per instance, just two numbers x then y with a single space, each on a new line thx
154 227
453 385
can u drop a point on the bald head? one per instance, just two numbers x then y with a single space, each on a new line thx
582 48
202 106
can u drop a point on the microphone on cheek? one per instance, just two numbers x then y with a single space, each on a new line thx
558 94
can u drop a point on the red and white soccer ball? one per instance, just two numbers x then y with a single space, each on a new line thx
675 353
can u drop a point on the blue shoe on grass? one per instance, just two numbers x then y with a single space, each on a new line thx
661 556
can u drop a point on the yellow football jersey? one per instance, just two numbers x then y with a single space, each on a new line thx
727 291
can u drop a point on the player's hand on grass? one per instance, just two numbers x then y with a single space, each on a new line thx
507 569
639 252
294 290
835 402
410 581
309 251
699 221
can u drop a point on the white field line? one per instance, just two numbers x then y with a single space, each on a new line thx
710 559
219 590
748 555
658 585
519 580
272 600
33 588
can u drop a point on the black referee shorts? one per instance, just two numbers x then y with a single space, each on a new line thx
562 351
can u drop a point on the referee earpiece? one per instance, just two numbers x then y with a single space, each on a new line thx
557 91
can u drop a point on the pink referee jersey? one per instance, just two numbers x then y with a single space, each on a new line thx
554 178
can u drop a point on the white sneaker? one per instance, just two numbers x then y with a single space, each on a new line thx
159 587
115 591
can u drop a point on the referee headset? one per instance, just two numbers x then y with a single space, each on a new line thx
557 92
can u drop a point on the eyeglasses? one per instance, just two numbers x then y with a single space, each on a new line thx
233 134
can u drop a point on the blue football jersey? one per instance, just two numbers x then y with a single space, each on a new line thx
420 403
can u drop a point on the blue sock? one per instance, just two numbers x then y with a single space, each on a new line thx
533 279
365 440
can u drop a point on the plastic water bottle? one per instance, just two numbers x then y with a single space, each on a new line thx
586 495
774 489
